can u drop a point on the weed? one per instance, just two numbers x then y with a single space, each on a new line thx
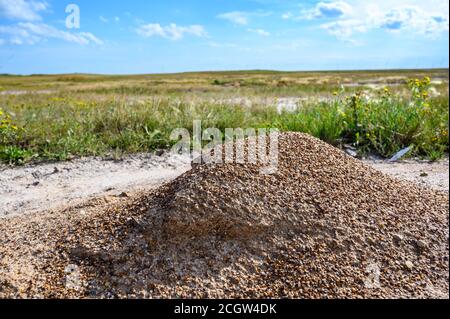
14 155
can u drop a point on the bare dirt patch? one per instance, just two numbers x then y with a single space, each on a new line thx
425 173
47 186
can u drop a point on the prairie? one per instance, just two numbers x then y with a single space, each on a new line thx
58 117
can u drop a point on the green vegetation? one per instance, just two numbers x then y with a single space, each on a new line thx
80 115
383 125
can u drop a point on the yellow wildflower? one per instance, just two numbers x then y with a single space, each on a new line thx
341 113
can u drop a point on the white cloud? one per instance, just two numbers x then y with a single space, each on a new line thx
231 46
30 29
31 33
356 16
287 15
222 45
260 32
328 10
117 19
18 41
242 18
172 31
22 10
414 19
91 38
18 35
344 29
103 19
236 17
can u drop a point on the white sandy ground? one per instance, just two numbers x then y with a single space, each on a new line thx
424 173
46 186
53 185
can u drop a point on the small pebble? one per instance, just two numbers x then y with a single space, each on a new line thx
409 265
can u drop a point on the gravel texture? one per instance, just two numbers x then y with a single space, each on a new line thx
324 225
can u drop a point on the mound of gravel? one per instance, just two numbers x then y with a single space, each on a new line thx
323 226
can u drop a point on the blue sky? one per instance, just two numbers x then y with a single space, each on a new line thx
118 37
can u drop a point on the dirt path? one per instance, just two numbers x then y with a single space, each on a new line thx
47 186
50 186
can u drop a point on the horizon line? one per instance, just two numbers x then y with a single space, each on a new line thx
231 71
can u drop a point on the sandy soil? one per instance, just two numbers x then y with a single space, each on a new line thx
53 185
47 186
424 173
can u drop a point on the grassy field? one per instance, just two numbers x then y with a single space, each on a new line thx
56 117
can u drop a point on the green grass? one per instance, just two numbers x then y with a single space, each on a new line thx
104 118
382 127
